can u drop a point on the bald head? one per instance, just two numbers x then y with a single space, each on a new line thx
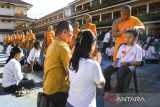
125 12
127 8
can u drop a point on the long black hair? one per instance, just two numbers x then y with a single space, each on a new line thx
13 52
83 46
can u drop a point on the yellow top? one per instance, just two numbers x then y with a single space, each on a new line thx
55 67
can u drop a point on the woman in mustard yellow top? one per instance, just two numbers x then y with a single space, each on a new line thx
56 84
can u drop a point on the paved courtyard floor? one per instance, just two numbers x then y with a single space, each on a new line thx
148 82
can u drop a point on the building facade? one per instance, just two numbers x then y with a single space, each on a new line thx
103 13
13 17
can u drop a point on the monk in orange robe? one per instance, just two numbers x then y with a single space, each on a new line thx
14 38
8 39
32 37
90 26
27 40
22 42
121 25
49 37
76 30
18 39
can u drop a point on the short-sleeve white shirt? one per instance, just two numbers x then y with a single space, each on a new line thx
129 54
82 91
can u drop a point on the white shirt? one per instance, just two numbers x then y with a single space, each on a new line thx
8 50
129 53
82 91
107 37
144 52
110 51
33 55
1 48
149 53
12 73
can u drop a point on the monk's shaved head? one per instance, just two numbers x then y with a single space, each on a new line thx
125 12
127 8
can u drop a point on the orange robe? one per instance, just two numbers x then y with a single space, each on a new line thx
14 38
18 39
49 37
130 23
75 34
27 41
32 37
92 27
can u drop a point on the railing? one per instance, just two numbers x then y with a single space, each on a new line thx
98 6
154 16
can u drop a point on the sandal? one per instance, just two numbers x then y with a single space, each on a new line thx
21 92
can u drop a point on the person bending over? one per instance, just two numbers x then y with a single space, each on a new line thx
13 79
33 57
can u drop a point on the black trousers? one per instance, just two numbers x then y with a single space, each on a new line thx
36 67
152 60
28 84
121 75
59 99
105 45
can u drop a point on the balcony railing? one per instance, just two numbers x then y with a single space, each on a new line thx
107 3
98 6
143 17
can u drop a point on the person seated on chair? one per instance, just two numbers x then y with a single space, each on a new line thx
13 79
129 55
110 51
33 57
150 53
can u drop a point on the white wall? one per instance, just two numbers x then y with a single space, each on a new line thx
7 25
7 11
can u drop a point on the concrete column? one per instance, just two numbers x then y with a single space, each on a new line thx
147 10
75 9
112 16
147 30
100 18
91 4
100 1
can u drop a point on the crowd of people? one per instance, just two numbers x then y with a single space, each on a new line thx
72 70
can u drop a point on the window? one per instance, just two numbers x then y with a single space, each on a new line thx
79 8
96 19
86 6
107 17
8 7
60 15
154 7
9 21
2 6
3 20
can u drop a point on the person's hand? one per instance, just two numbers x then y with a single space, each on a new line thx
123 63
114 65
98 57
